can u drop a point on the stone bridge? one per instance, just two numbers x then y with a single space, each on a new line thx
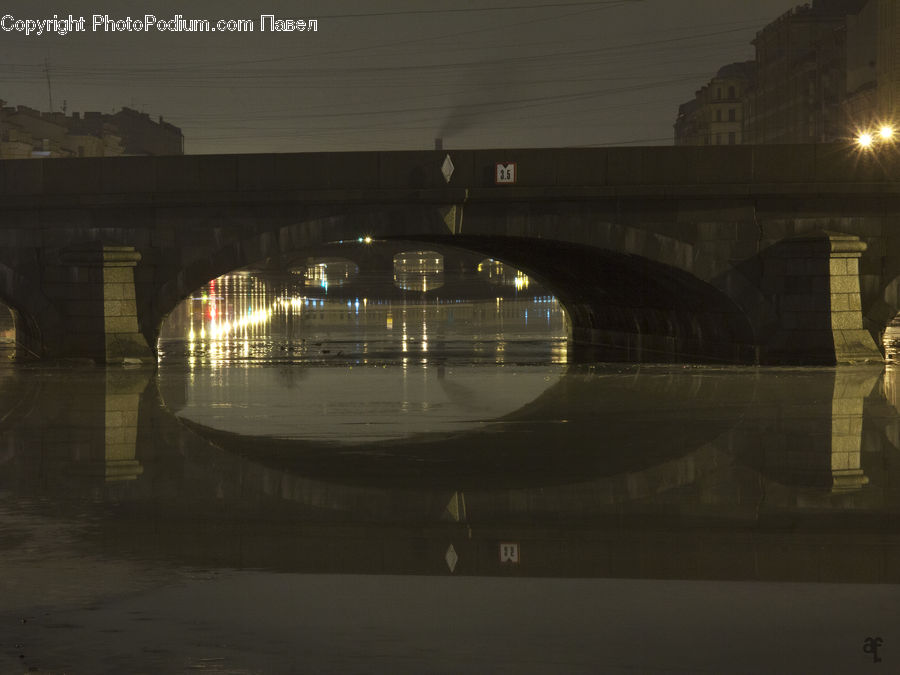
747 254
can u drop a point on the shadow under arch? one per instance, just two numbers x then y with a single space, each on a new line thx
31 312
621 306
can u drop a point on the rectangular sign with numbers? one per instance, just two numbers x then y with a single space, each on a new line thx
509 552
505 173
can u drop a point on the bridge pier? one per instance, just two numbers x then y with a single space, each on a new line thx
814 283
94 288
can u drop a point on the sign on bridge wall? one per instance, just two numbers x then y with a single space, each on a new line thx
504 173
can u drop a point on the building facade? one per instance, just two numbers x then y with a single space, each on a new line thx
801 77
888 60
715 115
861 100
821 71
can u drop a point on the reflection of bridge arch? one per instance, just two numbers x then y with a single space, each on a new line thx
542 444
630 303
544 465
270 513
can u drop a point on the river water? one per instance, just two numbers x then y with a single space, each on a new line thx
317 482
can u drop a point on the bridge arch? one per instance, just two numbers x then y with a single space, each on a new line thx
188 270
630 303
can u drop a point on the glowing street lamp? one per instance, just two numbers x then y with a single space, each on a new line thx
873 138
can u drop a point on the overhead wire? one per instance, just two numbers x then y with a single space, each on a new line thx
521 71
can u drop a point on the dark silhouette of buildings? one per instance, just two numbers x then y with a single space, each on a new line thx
821 72
26 132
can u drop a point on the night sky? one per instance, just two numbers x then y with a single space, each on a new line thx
393 75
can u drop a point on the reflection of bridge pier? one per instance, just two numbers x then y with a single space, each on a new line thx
851 387
811 437
82 429
107 449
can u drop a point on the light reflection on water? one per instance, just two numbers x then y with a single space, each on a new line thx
268 358
891 343
253 319
358 404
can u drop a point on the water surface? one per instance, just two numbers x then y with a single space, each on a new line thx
321 490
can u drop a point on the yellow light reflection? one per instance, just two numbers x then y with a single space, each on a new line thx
254 320
559 352
521 281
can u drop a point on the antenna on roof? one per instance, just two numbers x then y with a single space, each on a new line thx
49 88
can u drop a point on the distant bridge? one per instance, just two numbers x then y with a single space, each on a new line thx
774 254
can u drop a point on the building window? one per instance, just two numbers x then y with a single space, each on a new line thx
730 92
81 151
732 138
718 115
718 139
719 92
731 114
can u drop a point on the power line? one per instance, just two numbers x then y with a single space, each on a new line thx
469 10
330 71
432 39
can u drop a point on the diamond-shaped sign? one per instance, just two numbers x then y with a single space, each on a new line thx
447 168
451 558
